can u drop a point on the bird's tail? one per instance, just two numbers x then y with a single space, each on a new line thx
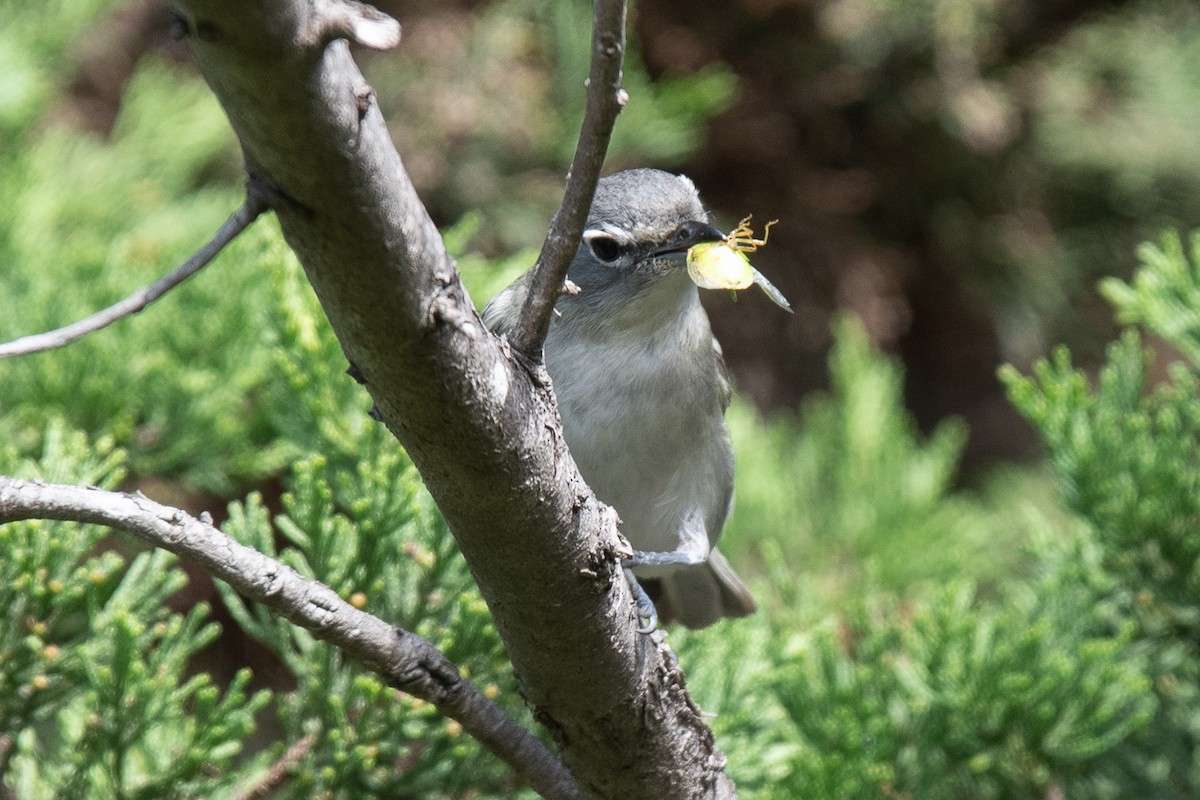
698 596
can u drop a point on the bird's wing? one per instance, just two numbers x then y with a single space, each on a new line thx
502 311
723 379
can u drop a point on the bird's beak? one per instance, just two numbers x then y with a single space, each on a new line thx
685 236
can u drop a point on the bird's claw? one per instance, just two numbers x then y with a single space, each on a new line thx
647 614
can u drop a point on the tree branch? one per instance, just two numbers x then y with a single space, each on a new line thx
405 660
254 205
480 425
605 99
278 774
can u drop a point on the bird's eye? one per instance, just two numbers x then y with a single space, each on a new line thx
605 248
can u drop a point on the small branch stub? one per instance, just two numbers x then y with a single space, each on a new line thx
358 22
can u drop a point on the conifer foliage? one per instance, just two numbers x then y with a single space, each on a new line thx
916 640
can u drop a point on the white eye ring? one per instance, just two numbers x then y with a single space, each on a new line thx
604 247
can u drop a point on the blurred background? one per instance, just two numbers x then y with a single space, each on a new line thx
957 173
952 179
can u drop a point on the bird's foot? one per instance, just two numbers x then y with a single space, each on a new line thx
647 614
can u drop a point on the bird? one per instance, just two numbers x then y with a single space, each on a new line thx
642 391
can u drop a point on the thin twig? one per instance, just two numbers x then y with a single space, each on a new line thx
254 205
605 98
403 659
278 773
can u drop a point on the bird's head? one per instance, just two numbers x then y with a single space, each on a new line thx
640 227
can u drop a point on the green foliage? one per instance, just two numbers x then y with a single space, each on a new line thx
234 377
1127 449
940 667
357 518
1164 295
1128 459
853 492
950 698
483 277
729 670
374 536
954 694
49 577
95 696
31 59
1029 685
136 205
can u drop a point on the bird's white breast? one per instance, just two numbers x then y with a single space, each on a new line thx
643 419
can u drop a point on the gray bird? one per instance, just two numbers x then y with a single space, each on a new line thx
642 390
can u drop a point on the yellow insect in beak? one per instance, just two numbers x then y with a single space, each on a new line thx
724 265
713 265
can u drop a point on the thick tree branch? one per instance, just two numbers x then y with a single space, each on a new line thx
481 427
60 337
605 99
405 660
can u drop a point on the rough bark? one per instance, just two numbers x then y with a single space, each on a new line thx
480 425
